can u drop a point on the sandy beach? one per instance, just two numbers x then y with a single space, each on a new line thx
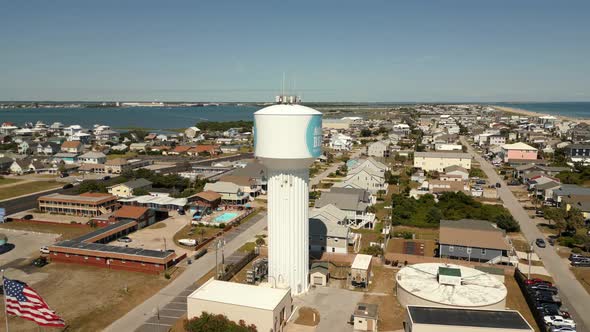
520 111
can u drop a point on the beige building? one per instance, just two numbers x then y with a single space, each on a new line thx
438 161
128 188
438 319
365 317
267 308
87 204
360 271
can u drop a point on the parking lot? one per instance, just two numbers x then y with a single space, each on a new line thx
25 244
158 236
335 306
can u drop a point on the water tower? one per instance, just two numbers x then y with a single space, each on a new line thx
287 139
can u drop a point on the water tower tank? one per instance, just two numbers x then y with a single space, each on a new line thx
287 139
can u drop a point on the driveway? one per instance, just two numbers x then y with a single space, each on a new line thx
572 293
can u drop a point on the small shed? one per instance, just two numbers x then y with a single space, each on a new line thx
365 317
360 271
319 274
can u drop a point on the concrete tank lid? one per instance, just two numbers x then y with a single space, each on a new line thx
287 109
477 289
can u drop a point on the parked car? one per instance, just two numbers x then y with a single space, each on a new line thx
27 217
540 243
513 183
106 177
498 185
188 242
577 257
125 239
540 213
181 212
543 287
537 281
40 262
44 250
67 186
559 321
581 263
562 329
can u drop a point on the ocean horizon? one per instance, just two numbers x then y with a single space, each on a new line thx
577 109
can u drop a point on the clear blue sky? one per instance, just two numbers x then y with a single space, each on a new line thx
333 50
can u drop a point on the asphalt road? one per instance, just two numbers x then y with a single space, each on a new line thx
573 295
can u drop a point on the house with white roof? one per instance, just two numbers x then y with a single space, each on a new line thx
341 142
518 152
92 157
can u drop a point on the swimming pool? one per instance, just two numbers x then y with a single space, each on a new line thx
225 217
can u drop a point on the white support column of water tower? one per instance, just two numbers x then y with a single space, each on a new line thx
287 139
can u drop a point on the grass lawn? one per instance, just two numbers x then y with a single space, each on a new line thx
4 181
195 232
90 298
122 155
421 233
247 247
28 188
67 232
583 276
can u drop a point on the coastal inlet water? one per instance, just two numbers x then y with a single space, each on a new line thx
571 109
160 118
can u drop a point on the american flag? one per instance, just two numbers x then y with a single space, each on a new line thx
24 302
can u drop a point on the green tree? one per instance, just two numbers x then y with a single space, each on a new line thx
574 220
507 223
373 251
433 216
553 214
216 323
366 132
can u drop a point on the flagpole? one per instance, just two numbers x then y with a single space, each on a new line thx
5 308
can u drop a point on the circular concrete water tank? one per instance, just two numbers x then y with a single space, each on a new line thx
420 284
287 135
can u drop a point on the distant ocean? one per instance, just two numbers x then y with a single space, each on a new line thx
571 109
160 118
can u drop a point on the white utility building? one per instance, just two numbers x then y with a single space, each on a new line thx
287 139
267 308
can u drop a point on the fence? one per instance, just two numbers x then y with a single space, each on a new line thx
233 269
45 222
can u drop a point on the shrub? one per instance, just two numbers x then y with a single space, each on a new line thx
373 251
167 275
216 323
577 250
222 225
260 241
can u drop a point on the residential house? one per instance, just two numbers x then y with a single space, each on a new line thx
581 203
72 147
438 161
570 190
353 202
328 231
231 193
129 188
92 157
119 165
192 132
526 171
140 147
247 184
441 186
545 190
64 158
457 171
518 152
379 149
473 240
25 147
20 166
107 135
578 153
340 142
5 163
363 178
209 149
47 148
